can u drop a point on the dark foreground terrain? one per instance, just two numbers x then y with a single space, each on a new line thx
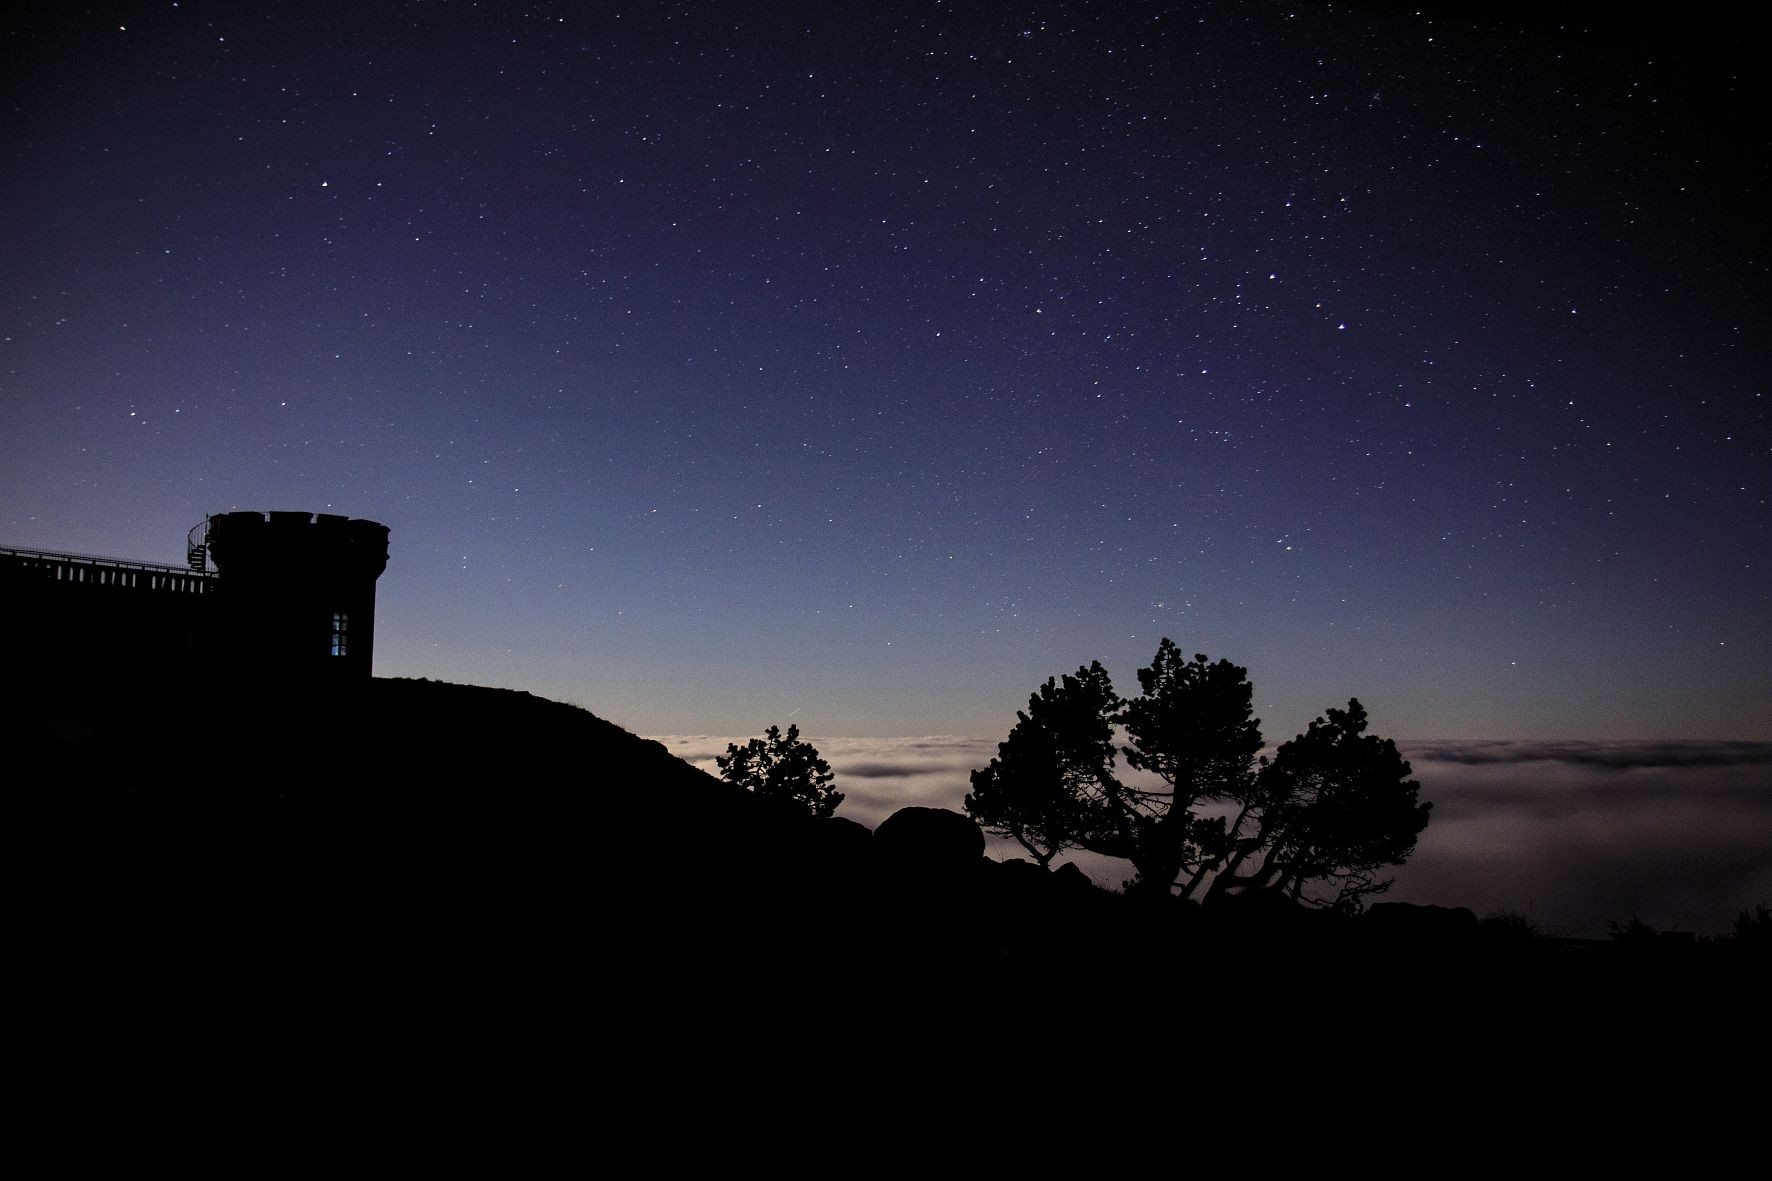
444 873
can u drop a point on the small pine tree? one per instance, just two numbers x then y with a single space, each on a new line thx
780 766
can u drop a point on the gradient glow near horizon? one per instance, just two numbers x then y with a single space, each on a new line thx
1572 836
717 366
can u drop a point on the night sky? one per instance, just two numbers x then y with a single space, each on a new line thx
718 365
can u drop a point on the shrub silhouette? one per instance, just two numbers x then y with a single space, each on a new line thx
781 767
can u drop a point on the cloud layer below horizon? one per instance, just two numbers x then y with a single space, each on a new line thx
1573 835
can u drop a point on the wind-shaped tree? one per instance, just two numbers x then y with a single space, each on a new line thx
1194 728
1334 807
1208 818
1045 787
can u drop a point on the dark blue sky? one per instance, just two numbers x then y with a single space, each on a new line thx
719 363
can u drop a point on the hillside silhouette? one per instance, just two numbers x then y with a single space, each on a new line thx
407 818
410 847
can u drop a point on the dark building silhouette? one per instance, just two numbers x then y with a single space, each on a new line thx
296 594
265 599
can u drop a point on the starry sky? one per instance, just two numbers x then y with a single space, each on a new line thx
723 364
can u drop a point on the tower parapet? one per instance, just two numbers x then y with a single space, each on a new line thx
295 594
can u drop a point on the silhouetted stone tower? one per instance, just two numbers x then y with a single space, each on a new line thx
295 595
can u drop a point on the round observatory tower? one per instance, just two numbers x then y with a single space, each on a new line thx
295 594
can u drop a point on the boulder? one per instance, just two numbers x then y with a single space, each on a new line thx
935 841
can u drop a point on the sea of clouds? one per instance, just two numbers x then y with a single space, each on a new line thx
1572 835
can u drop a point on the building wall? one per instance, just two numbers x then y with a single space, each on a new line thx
296 594
82 621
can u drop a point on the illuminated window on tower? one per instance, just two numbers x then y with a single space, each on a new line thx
341 633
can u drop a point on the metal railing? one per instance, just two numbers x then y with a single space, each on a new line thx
92 570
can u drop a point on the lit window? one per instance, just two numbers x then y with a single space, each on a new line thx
341 633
